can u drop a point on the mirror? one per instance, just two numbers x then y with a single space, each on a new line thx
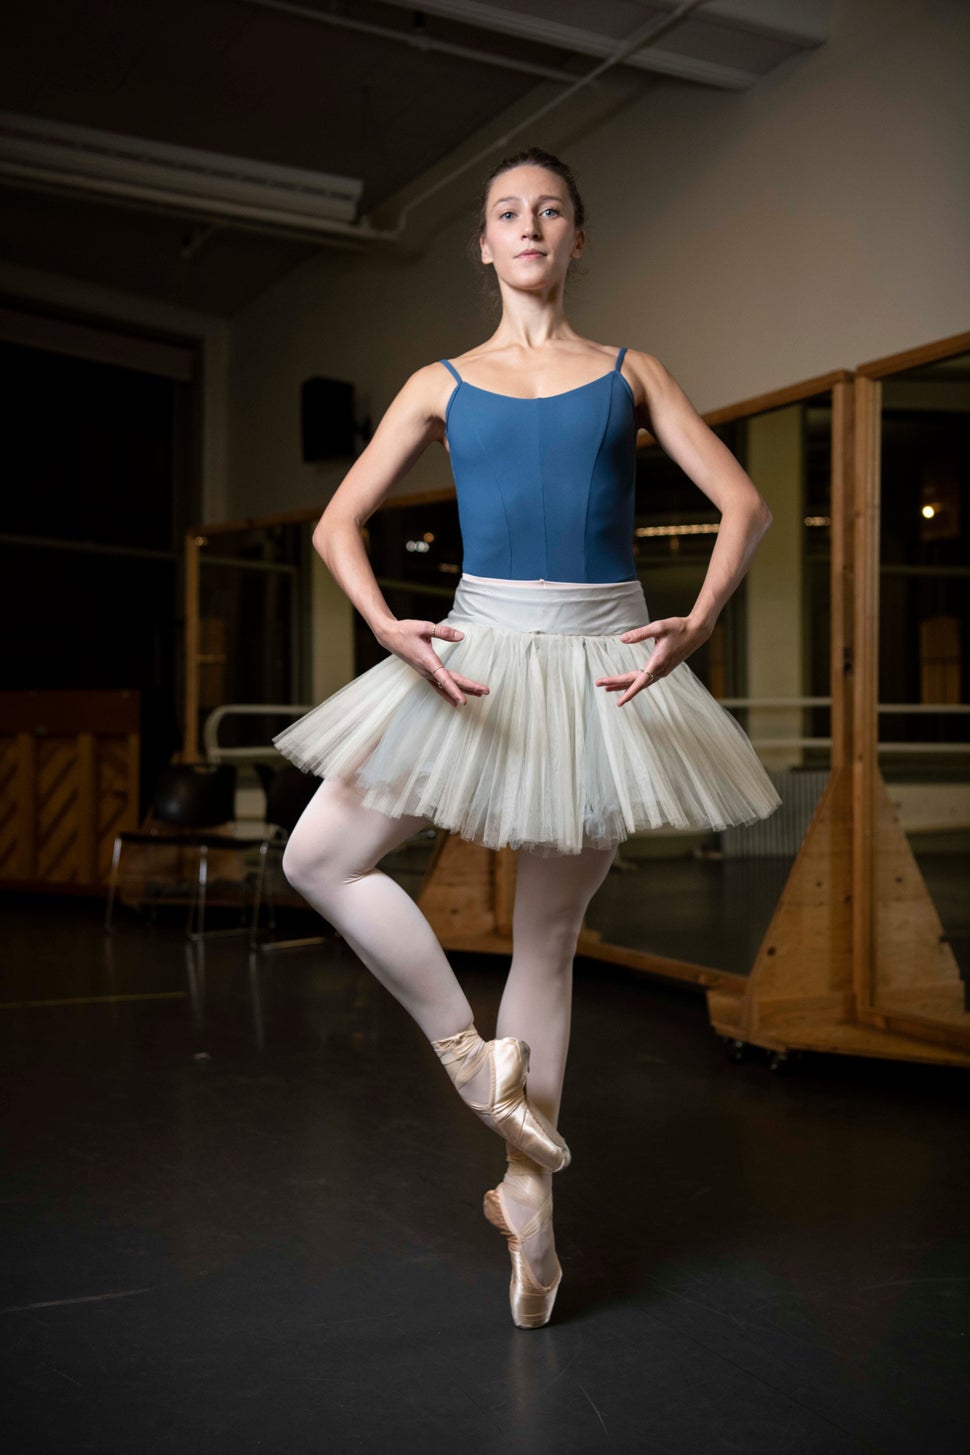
706 900
268 636
921 774
252 590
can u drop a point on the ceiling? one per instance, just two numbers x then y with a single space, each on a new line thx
373 90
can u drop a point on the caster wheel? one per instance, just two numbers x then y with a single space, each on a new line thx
737 1050
779 1061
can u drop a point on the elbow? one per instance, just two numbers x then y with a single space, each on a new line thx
319 538
322 537
332 533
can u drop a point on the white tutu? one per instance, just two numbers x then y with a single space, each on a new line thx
547 761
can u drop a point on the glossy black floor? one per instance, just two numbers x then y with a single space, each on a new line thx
241 1212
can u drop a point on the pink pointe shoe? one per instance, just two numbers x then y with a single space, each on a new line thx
508 1111
530 1300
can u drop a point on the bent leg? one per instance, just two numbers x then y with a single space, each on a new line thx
330 859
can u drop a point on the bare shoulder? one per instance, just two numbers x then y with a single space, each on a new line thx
647 370
425 392
655 390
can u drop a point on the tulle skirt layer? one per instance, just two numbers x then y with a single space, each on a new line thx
547 761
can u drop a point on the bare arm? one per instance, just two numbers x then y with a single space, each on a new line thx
678 428
413 420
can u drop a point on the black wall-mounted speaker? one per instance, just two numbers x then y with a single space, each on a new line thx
326 418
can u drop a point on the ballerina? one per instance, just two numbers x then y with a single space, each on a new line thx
547 711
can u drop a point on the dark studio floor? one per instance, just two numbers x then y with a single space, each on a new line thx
248 1219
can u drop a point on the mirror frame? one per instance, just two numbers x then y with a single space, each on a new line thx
868 781
818 990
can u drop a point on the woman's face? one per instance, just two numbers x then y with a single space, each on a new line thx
530 235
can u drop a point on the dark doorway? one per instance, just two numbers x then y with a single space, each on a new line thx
98 482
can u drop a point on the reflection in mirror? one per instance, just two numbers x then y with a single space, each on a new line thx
250 589
254 584
271 635
708 899
415 551
924 627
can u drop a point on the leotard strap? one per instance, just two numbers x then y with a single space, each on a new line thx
451 368
619 359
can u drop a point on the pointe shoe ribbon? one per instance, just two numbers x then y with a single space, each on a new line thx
508 1111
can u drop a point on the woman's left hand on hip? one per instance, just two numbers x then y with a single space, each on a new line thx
675 637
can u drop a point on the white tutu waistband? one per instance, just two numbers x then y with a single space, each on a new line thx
547 761
594 609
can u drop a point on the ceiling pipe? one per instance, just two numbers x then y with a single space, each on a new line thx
546 26
416 39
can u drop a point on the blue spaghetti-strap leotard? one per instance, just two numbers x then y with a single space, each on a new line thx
546 486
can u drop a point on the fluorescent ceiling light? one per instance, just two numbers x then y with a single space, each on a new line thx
220 188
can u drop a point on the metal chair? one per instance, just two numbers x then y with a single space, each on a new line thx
190 801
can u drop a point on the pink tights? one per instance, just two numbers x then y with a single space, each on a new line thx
330 859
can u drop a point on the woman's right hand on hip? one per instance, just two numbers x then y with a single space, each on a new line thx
411 641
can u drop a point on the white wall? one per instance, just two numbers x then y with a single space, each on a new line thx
748 240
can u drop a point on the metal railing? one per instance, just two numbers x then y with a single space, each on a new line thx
216 754
210 731
784 704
